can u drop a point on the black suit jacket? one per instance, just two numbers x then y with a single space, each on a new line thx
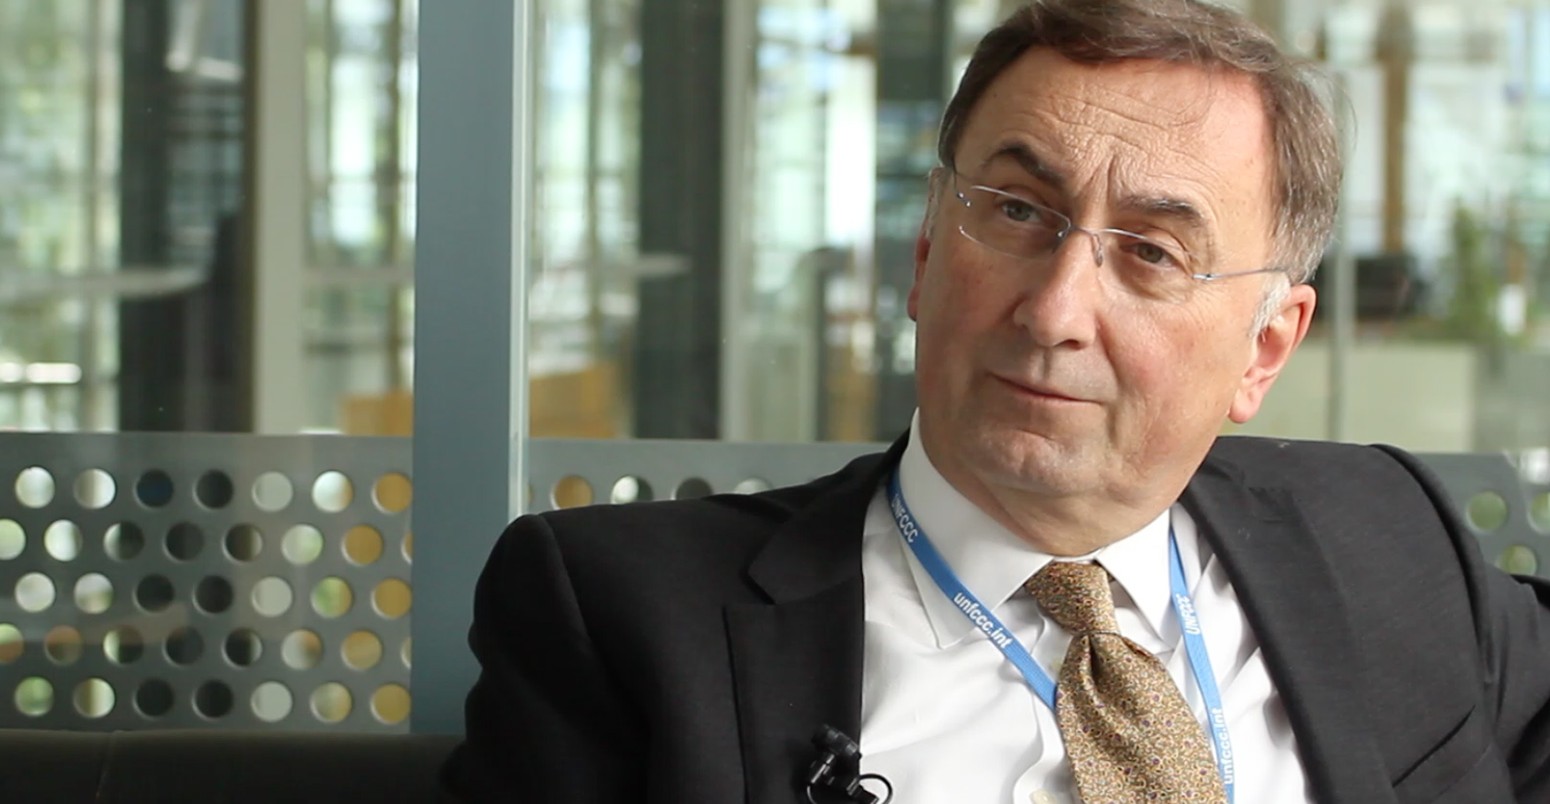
686 651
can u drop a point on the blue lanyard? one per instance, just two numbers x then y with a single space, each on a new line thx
999 635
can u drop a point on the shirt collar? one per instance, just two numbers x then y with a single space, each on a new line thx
1139 565
993 563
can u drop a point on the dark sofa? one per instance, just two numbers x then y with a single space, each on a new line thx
219 767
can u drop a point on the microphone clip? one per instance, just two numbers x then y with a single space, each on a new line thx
837 768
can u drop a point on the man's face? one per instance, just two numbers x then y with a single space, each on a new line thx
1048 375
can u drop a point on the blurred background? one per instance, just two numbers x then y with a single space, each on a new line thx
208 225
207 216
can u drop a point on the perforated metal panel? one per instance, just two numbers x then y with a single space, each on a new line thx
184 580
1506 502
202 590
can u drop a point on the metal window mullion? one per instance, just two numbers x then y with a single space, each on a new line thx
472 257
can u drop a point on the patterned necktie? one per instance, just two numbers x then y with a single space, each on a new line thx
1129 734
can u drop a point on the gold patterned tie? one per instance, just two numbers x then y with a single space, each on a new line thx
1129 734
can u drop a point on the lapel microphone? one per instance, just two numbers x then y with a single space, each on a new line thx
837 767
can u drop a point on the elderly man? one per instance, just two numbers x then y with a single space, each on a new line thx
1060 585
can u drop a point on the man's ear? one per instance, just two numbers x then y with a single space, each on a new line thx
1272 348
923 237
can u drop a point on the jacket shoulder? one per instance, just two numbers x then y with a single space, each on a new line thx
1318 467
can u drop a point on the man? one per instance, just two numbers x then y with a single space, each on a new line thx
1060 585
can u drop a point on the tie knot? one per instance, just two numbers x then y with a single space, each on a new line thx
1076 596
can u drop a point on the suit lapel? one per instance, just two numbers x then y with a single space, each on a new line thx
797 660
1288 593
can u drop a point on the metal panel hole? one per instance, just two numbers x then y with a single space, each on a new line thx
272 492
244 542
154 698
361 650
213 700
34 592
11 643
94 489
331 702
271 701
123 541
123 645
34 487
1538 512
301 650
62 540
391 598
184 646
213 595
630 489
214 490
243 647
13 540
390 704
154 489
302 544
154 593
332 492
332 597
185 541
392 493
409 547
1487 511
406 654
362 545
1519 560
93 593
94 698
692 488
572 491
34 697
62 645
752 485
272 597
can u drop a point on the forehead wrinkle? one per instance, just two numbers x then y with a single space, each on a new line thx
1129 173
1136 105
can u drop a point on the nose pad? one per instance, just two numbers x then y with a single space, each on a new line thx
1097 239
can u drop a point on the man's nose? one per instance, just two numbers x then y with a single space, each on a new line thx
1062 294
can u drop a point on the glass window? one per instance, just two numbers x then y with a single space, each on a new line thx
361 84
749 282
59 244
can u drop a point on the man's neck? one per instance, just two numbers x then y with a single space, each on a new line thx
1065 527
1059 525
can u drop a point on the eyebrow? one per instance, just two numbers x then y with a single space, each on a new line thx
1161 206
1173 208
1029 161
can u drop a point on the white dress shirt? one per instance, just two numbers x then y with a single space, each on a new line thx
945 717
